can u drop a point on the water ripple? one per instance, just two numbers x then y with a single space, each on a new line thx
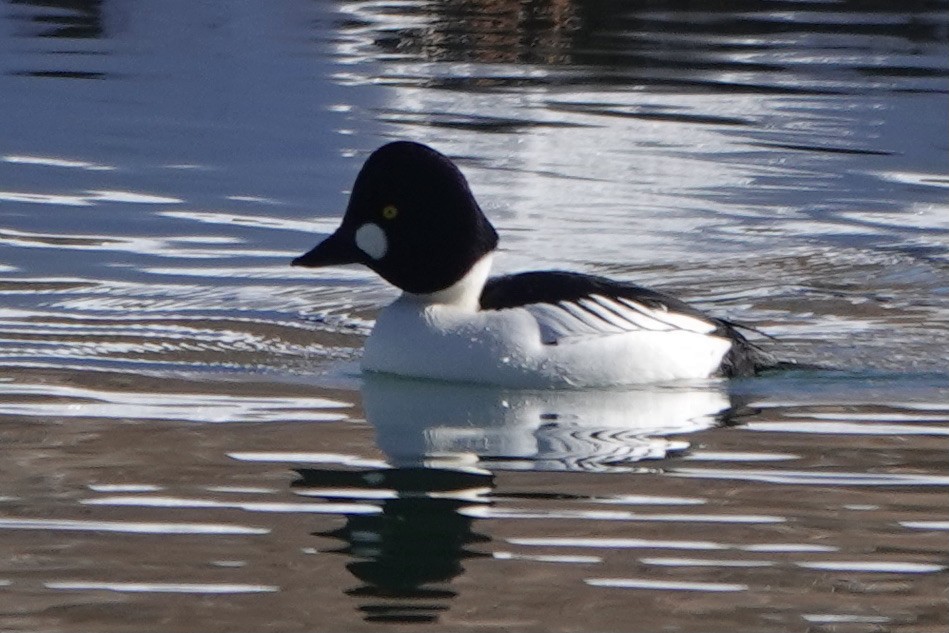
76 402
87 199
635 543
248 506
129 527
705 562
814 478
850 428
486 512
50 161
869 566
308 458
159 587
665 585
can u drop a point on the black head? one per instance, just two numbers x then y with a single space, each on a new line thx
412 219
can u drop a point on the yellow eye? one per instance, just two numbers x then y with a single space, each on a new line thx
389 212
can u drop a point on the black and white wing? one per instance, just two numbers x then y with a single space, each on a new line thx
578 306
572 307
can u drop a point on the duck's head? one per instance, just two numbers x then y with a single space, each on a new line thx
412 219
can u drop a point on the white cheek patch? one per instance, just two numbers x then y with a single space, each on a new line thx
371 240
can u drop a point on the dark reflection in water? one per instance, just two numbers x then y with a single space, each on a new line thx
491 31
80 19
406 556
673 44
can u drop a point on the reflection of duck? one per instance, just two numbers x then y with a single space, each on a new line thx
437 435
407 554
414 221
420 422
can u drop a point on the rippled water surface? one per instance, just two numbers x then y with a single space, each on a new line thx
187 442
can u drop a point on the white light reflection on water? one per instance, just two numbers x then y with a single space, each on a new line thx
634 543
230 219
159 587
734 457
164 248
248 506
704 562
886 416
309 458
486 512
665 585
45 198
76 402
124 488
841 618
854 428
130 527
580 560
349 493
649 500
870 566
243 490
926 525
87 199
815 478
49 161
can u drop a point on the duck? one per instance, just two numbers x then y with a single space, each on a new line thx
413 220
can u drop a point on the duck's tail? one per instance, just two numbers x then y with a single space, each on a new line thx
746 358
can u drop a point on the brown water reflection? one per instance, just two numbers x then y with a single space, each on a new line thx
764 526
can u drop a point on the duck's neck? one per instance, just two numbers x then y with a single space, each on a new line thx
465 293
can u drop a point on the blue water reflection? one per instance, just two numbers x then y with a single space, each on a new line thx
189 95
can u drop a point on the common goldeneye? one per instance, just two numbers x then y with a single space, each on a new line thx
413 220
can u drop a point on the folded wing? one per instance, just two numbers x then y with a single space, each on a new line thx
573 306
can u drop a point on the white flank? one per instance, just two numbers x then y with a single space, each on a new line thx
593 342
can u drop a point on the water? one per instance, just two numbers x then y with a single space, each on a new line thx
188 444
